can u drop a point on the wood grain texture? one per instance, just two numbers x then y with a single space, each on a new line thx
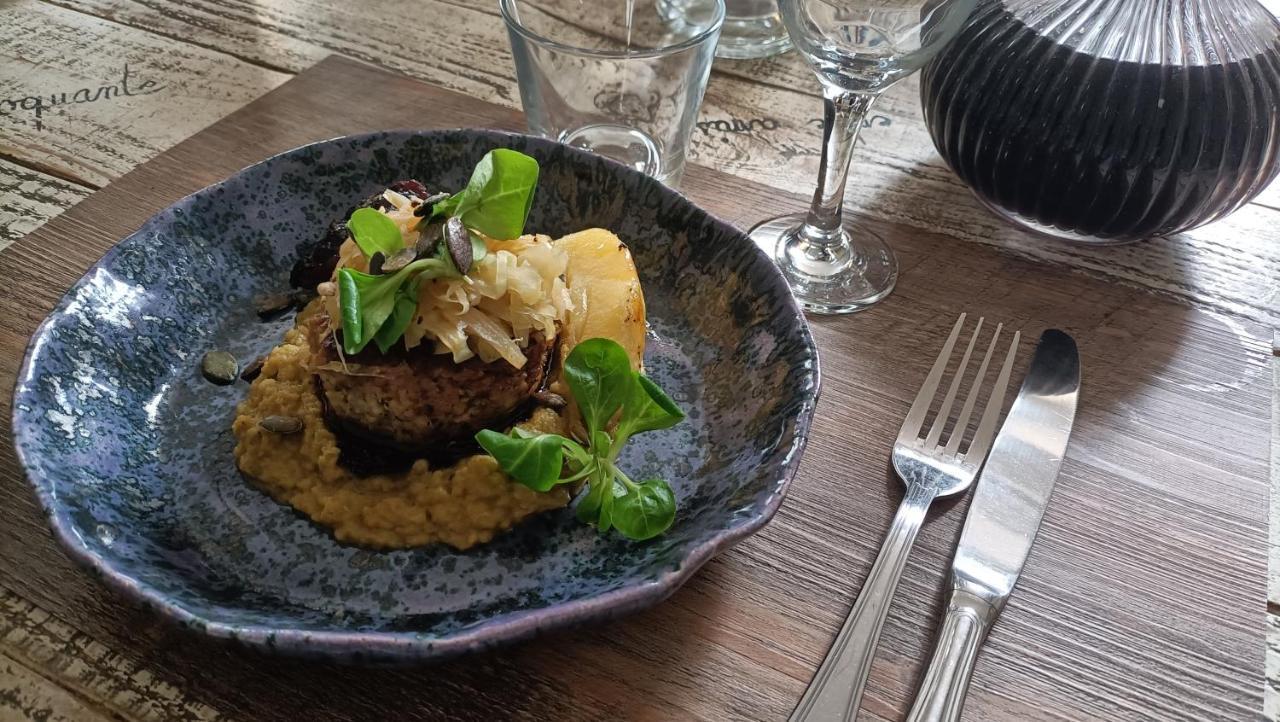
1141 600
25 696
1233 265
1271 707
1273 566
53 57
1271 702
99 681
29 198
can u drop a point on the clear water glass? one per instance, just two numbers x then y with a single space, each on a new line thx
616 77
752 28
858 49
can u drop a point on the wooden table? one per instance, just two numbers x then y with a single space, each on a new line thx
152 73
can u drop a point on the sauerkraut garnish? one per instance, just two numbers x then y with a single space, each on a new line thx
488 300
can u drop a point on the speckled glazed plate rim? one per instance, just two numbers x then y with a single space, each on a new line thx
402 645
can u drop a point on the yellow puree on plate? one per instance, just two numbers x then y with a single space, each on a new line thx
462 505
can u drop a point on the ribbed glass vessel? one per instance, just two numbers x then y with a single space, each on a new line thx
1107 121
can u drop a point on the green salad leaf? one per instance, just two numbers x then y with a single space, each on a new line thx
478 248
647 408
367 301
498 197
535 461
608 498
375 232
406 304
600 380
645 511
604 386
588 511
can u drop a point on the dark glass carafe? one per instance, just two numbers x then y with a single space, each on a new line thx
1108 121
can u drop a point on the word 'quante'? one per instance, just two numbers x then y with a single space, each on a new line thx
44 103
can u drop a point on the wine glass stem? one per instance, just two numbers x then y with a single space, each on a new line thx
843 113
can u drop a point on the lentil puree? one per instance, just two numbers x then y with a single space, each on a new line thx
462 505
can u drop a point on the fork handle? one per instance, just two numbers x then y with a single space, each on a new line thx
836 690
963 630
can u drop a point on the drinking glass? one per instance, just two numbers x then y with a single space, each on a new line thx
858 48
752 28
616 77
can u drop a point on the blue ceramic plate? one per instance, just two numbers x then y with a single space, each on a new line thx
130 450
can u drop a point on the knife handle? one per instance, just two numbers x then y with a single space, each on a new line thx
836 690
964 628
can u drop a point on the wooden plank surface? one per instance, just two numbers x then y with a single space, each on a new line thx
1142 598
24 694
1271 709
84 98
55 670
31 198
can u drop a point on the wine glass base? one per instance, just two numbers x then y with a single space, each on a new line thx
847 279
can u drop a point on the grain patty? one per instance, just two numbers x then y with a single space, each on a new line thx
422 402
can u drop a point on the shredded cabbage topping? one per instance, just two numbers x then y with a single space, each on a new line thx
515 290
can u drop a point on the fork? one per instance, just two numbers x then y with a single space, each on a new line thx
930 467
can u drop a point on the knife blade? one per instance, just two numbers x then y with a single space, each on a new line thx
1004 517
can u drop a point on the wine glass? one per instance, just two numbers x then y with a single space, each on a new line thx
858 48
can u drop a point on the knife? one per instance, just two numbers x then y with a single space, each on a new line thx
1013 491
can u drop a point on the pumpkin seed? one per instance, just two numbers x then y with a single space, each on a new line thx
219 367
428 204
428 239
458 241
550 400
281 424
273 305
253 370
375 263
402 258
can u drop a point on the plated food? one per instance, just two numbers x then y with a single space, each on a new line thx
454 375
131 452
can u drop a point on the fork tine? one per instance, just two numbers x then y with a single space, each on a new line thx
987 428
944 411
915 417
962 423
